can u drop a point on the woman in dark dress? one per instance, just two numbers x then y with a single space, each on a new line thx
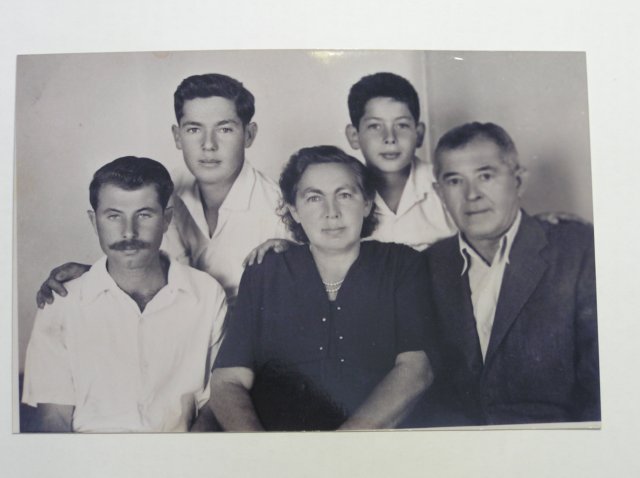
330 333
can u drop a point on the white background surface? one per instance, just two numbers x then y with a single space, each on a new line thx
605 32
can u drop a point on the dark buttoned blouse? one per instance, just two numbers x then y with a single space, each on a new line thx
335 352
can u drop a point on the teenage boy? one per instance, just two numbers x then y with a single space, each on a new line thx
385 125
131 348
227 207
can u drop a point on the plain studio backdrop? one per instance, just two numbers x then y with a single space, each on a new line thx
76 112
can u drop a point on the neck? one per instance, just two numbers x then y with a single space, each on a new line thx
390 186
214 194
142 283
486 248
333 265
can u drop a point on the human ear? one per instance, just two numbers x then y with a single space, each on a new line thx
175 130
294 213
420 131
522 180
250 132
351 132
438 189
167 215
92 219
368 205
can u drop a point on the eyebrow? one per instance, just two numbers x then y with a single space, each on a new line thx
146 208
339 188
378 118
219 123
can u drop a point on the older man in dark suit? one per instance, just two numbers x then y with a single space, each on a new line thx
514 303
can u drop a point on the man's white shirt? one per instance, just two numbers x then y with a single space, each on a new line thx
122 369
485 281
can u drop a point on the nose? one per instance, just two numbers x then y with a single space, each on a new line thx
210 142
332 210
130 229
389 135
472 191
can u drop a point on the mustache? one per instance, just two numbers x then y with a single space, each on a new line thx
129 244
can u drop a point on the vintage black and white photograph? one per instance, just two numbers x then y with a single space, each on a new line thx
304 240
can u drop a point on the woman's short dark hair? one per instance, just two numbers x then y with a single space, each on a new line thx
130 173
297 165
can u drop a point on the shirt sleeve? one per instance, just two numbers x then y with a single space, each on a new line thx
48 374
218 311
237 348
410 303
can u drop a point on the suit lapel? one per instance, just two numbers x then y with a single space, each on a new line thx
454 288
521 276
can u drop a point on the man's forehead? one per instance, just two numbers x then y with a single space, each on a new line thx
114 196
475 155
379 105
216 107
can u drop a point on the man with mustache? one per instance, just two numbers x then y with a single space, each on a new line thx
131 348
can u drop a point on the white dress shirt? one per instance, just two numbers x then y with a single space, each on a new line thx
421 218
485 281
124 370
246 218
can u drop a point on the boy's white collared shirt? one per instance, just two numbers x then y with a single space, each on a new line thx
247 217
421 219
121 369
485 281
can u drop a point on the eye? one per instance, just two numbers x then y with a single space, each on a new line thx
313 198
345 195
373 126
113 217
145 215
404 125
226 129
453 181
192 130
485 176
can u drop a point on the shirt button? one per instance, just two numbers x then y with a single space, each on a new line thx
324 319
321 348
341 337
341 360
339 308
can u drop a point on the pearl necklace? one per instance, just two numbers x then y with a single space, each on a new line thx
332 287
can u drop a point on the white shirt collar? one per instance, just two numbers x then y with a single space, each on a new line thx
97 280
238 197
504 248
419 184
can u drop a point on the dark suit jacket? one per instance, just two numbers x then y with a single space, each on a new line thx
542 359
